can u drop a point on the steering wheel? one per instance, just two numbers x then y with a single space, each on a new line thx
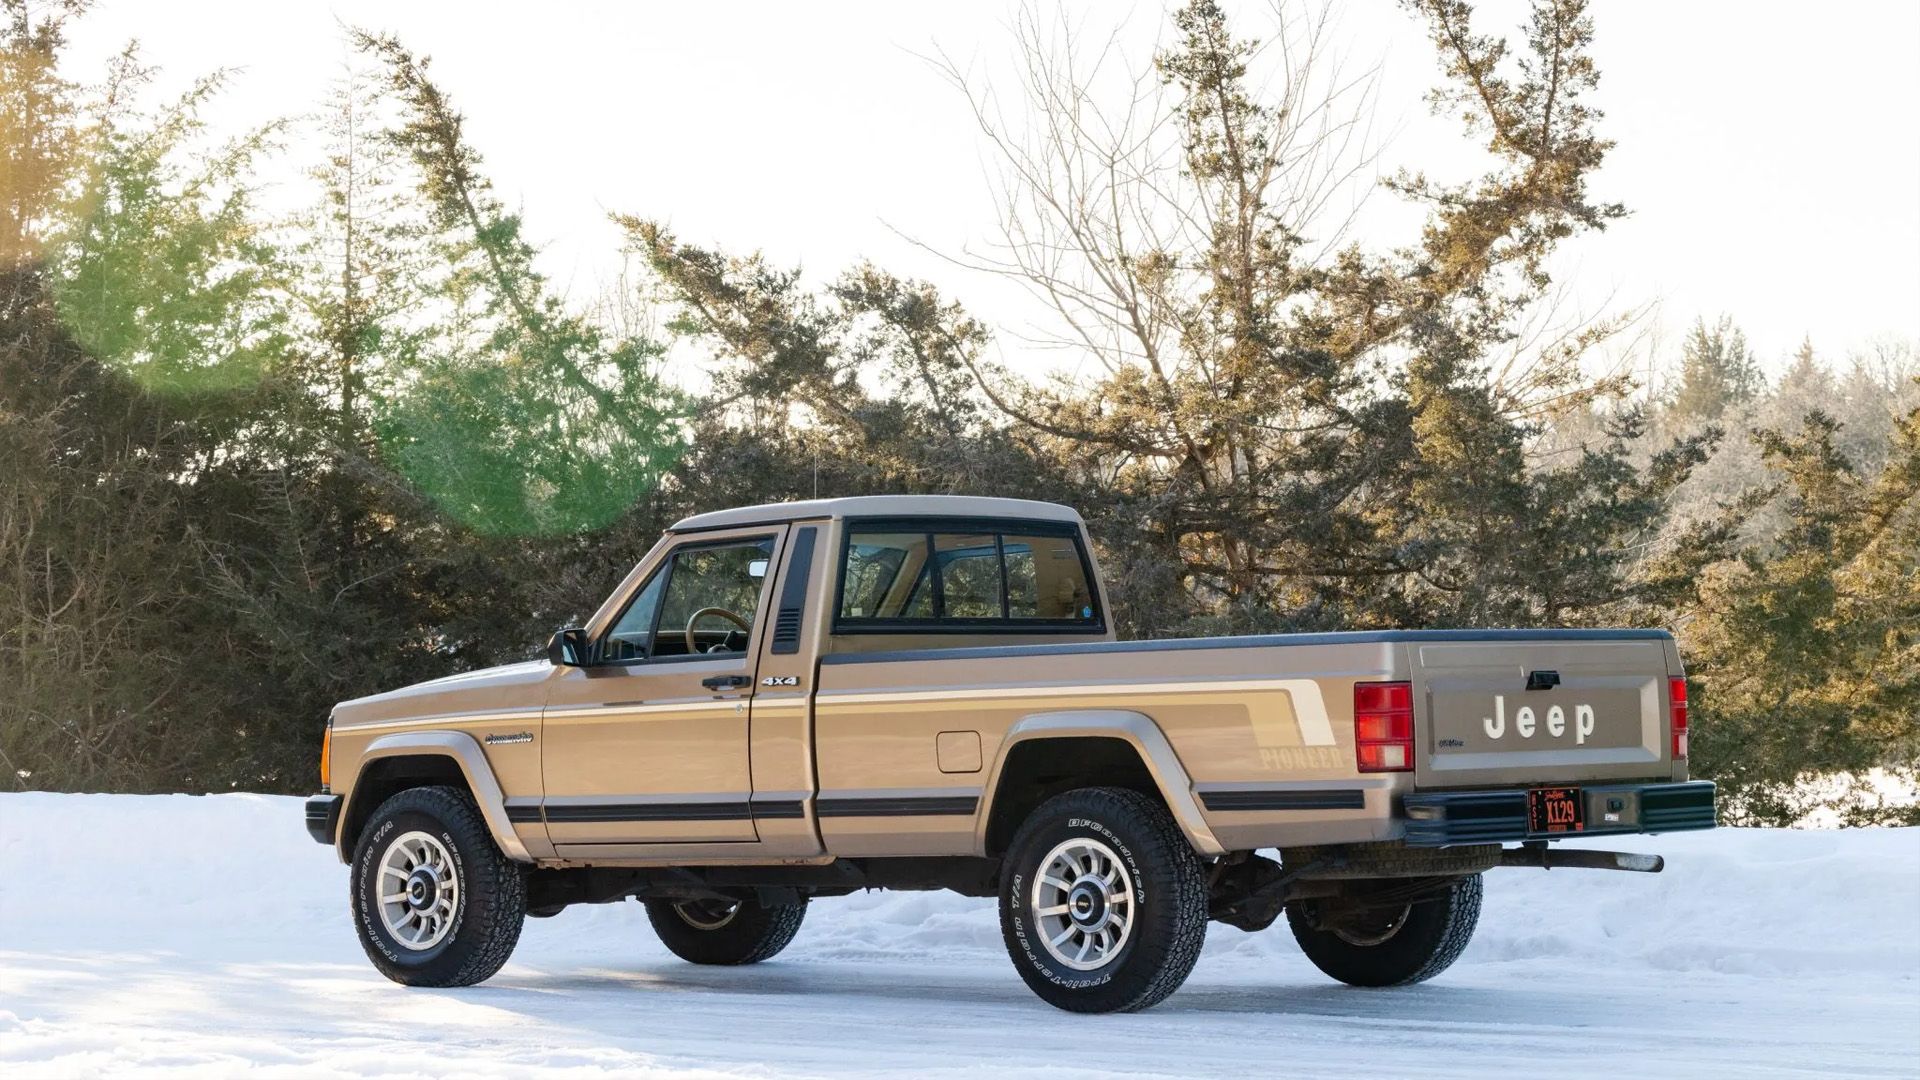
694 646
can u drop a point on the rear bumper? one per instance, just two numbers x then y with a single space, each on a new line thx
1443 818
323 817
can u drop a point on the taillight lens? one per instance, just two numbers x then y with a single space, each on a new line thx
326 755
1383 726
1677 705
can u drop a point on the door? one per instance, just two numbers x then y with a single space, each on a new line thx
649 744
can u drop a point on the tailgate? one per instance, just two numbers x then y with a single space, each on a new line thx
1598 711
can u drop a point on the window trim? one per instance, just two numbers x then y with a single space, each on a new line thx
666 567
999 527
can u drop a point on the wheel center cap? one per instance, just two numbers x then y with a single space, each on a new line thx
423 887
1087 905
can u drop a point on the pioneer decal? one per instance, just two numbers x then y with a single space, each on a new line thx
1292 729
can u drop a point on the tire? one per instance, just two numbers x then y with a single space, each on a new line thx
1427 940
744 932
468 936
1084 948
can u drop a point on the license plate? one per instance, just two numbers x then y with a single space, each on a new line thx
1554 810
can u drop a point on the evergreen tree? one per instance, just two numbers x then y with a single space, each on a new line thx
363 254
1717 371
865 389
522 417
1806 382
39 127
1807 650
161 266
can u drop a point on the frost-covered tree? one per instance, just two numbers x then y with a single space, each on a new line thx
1717 371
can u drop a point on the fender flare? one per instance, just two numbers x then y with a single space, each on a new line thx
465 753
1135 729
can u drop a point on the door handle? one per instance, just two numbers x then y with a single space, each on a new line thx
725 682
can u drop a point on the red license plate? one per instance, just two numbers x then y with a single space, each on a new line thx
1554 810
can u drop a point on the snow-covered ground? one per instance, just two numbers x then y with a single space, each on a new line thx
207 936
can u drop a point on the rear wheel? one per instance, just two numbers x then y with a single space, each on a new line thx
725 931
1387 946
1103 904
435 902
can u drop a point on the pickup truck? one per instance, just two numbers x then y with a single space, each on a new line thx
789 702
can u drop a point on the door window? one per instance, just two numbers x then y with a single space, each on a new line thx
702 601
632 635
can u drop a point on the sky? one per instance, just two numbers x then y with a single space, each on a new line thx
1769 153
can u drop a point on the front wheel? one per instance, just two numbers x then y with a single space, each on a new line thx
434 901
1388 946
1103 904
725 931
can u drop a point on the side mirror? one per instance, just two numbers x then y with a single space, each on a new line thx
568 648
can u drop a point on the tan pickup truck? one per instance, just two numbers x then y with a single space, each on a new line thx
795 701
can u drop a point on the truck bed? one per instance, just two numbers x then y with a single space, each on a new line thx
1264 725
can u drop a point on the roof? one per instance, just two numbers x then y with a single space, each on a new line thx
880 506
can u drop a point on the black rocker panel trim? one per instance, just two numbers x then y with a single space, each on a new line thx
898 806
1294 799
691 811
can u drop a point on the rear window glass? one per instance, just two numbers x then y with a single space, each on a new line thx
976 574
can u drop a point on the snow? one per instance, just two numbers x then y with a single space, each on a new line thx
206 936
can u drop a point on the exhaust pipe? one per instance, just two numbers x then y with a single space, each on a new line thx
1581 859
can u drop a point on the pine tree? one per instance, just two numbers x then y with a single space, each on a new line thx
1717 371
39 126
1806 382
522 417
161 266
864 387
363 255
1807 649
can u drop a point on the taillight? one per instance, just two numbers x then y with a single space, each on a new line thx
1677 706
1383 726
326 755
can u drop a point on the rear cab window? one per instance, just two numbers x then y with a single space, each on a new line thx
973 575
